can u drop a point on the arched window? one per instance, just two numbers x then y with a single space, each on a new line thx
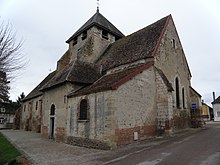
183 97
52 109
177 93
83 110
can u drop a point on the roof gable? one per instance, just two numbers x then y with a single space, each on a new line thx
139 45
216 101
99 20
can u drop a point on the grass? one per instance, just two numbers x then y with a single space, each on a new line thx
7 151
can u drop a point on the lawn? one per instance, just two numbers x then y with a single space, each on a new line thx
7 151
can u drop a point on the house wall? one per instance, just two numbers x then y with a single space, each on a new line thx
216 109
171 60
205 112
31 115
116 115
196 100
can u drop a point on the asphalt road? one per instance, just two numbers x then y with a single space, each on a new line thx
200 148
194 147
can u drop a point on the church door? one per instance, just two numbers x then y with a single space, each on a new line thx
52 121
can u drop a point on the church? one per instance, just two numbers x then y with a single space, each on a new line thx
110 90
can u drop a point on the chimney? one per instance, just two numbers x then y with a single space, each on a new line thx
213 93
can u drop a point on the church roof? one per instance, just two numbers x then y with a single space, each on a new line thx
113 80
137 46
36 91
216 101
99 20
78 72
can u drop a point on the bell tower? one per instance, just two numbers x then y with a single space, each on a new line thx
91 39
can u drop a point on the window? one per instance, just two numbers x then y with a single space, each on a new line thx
24 108
36 106
84 35
173 43
2 110
1 120
52 109
105 34
218 113
83 110
74 41
183 98
177 93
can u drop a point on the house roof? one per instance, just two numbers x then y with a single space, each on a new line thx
78 72
97 20
139 45
36 91
216 101
112 81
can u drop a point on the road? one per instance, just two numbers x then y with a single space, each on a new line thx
195 147
200 148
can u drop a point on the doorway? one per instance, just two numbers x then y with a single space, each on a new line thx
52 121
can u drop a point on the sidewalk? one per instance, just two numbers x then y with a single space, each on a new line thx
48 152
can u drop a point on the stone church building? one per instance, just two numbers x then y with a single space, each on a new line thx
110 90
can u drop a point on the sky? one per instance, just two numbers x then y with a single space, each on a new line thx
45 25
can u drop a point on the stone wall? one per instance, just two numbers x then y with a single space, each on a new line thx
31 115
89 49
115 115
57 97
171 59
164 106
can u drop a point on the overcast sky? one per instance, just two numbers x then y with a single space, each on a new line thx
45 25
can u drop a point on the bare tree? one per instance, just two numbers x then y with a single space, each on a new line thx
10 58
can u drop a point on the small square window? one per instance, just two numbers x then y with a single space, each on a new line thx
74 41
2 110
84 35
105 34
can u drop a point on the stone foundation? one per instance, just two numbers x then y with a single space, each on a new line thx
60 134
126 135
89 143
45 133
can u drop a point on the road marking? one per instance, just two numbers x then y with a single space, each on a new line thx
212 159
125 156
156 161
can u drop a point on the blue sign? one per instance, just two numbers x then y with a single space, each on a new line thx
193 106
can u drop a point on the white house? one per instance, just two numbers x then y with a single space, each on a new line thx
216 109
